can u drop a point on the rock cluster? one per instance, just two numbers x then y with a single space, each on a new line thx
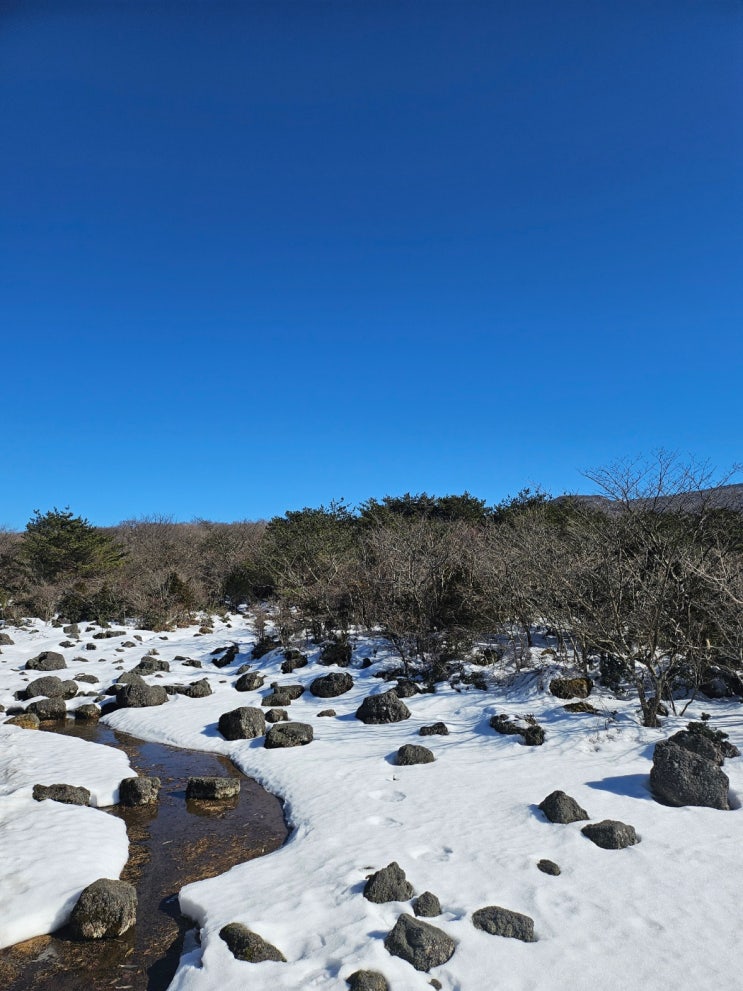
687 770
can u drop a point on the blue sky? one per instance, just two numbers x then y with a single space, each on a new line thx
258 256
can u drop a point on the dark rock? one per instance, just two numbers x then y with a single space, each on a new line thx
264 646
701 739
67 794
6 641
26 720
47 660
405 688
336 652
66 643
292 691
697 743
327 712
128 643
106 908
87 713
559 807
293 660
549 867
426 905
384 708
367 980
410 753
227 655
128 678
212 789
247 945
581 707
244 723
288 735
503 922
196 690
388 885
190 662
108 634
48 710
660 708
332 685
141 696
277 698
139 791
682 777
721 683
435 729
571 688
149 665
50 687
88 679
250 682
91 646
610 834
277 716
531 732
243 668
422 945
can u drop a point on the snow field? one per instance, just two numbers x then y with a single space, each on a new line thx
655 916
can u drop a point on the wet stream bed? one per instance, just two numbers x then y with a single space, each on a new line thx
171 844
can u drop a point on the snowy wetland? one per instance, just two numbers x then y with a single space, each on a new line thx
465 826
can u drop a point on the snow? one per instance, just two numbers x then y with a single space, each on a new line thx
657 915
50 851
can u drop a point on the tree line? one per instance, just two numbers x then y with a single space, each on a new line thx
642 588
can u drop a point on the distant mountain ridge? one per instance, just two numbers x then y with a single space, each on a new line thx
728 497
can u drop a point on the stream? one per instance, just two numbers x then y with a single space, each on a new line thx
171 844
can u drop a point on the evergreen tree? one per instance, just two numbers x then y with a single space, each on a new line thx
58 546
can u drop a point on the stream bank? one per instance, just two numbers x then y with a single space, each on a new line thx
171 844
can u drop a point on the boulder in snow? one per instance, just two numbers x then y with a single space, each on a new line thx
388 885
331 685
244 723
411 753
504 922
422 945
559 807
571 688
610 834
247 945
680 776
283 734
67 794
47 660
384 708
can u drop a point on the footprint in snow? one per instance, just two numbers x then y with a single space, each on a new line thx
382 821
388 796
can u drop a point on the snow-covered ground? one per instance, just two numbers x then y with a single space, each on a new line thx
661 914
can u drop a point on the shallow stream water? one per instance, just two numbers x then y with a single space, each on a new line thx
171 844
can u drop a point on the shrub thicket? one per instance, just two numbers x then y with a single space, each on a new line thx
642 587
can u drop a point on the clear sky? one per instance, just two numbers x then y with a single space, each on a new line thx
256 256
